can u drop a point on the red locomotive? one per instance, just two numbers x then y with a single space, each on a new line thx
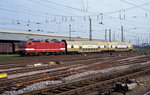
40 47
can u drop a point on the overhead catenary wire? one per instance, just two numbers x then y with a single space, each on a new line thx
49 14
62 5
136 5
62 18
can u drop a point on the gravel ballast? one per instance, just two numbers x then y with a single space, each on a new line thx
45 84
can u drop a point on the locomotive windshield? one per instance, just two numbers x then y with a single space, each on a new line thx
22 43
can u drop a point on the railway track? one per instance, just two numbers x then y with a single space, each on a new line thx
29 60
23 81
76 87
67 63
92 64
17 67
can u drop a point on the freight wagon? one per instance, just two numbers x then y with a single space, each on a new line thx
8 48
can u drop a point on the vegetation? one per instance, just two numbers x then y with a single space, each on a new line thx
143 49
8 55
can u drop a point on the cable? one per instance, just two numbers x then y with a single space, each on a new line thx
59 15
23 9
62 5
135 5
70 15
145 4
17 11
56 9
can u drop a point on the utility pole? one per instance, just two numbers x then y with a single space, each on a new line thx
110 35
149 40
122 34
70 32
90 29
105 34
114 36
138 41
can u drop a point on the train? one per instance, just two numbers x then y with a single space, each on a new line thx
64 46
8 47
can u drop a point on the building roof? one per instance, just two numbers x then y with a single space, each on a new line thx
26 35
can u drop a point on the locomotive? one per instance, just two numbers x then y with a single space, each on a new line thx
55 46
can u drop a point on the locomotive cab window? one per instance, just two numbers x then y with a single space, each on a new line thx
62 44
22 43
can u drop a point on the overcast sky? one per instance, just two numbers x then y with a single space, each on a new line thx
55 16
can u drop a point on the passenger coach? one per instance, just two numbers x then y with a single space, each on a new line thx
97 46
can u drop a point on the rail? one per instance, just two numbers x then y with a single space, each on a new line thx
90 83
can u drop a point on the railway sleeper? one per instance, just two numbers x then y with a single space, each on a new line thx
57 91
79 85
63 89
71 87
46 93
106 90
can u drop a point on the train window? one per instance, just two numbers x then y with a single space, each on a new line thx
104 46
116 46
80 47
127 47
22 43
99 47
62 44
110 46
72 46
29 44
